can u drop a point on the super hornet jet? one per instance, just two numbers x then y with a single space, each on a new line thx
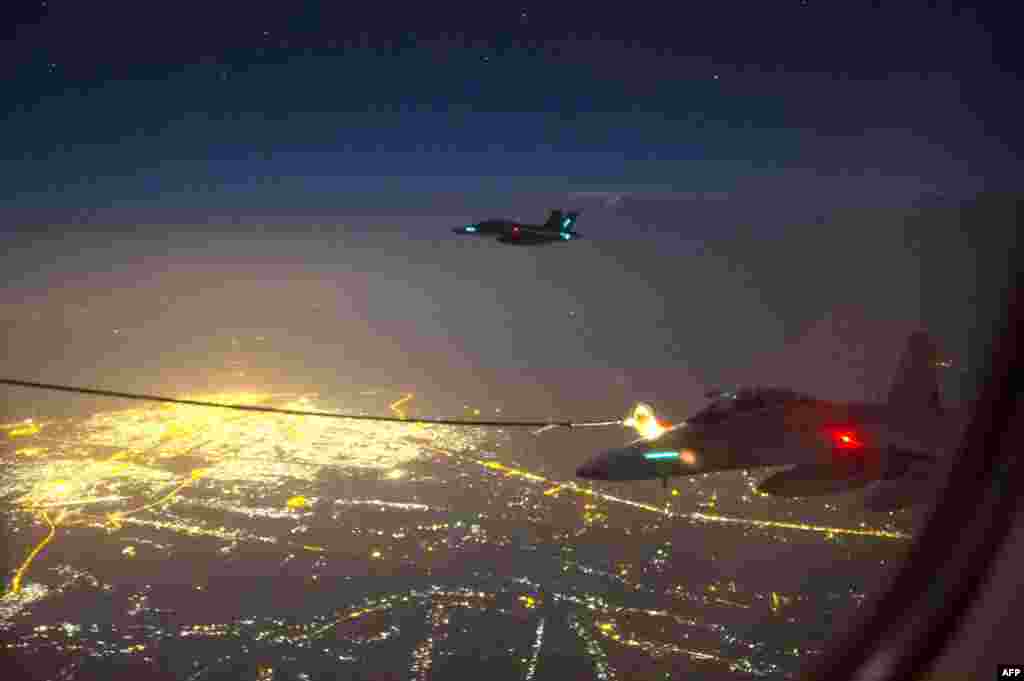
559 227
893 449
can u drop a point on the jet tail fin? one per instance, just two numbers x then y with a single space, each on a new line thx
554 220
916 385
561 221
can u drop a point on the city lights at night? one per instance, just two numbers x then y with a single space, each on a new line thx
159 479
344 342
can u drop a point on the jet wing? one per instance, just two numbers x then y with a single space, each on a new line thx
910 479
668 455
525 238
811 480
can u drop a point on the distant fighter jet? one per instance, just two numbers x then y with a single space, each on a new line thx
893 449
559 227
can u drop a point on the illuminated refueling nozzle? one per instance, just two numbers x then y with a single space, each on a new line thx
644 422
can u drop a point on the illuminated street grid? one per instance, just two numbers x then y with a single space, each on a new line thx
174 497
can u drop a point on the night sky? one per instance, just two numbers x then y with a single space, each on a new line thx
754 179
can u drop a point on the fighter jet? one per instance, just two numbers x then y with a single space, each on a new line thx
891 448
559 227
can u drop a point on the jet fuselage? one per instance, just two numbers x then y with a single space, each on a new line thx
830 447
558 228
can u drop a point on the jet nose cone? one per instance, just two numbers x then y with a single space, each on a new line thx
592 470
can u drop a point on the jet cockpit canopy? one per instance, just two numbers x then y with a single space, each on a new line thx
726 403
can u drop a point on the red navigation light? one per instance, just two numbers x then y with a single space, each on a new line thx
845 438
515 228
